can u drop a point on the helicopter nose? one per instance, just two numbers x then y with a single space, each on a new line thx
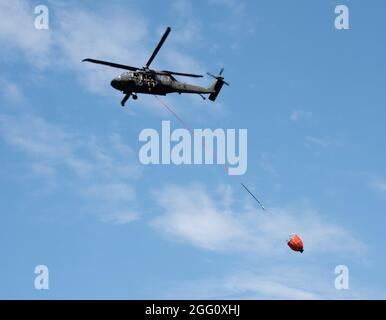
114 83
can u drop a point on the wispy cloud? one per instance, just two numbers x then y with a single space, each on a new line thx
100 170
267 287
291 282
193 215
244 285
17 30
53 146
81 34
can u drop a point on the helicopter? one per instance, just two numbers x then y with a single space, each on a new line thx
148 81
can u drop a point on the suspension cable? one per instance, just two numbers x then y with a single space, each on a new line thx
191 131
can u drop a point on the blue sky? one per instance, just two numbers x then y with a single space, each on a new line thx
75 197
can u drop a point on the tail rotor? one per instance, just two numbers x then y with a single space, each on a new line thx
219 76
217 85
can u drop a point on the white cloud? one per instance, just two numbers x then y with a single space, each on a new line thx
292 282
247 285
53 146
99 170
125 39
207 221
79 34
83 34
17 30
261 287
192 216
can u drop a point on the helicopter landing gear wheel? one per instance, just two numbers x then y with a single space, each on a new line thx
135 97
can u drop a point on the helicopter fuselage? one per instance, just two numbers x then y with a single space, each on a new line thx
148 82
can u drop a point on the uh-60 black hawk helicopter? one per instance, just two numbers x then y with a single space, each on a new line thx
149 81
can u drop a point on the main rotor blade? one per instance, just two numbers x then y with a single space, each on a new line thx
183 74
212 75
111 64
158 47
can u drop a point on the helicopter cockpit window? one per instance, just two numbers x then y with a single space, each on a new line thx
163 78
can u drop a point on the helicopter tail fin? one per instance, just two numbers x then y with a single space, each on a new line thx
216 86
